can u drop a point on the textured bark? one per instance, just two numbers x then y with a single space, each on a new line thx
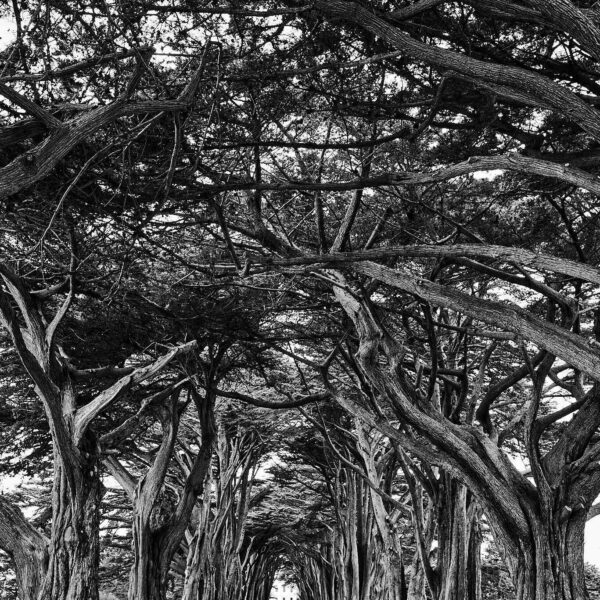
451 518
27 548
519 256
38 162
549 565
567 17
155 543
75 545
173 532
509 162
24 171
72 572
541 527
148 581
527 86
219 556
569 346
505 9
459 542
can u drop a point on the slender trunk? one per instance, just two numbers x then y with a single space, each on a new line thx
147 581
459 544
473 589
418 583
193 582
192 587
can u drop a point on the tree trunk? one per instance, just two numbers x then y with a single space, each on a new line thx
26 546
192 588
74 547
551 566
541 531
147 580
458 543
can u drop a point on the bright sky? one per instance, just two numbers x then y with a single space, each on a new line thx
8 32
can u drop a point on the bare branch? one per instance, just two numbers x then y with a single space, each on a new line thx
519 256
414 9
59 316
129 426
301 401
509 162
594 511
122 475
25 170
74 68
30 107
569 18
536 89
25 545
564 344
87 413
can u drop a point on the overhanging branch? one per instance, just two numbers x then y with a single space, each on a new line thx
87 413
505 162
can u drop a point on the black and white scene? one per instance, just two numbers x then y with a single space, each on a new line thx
299 300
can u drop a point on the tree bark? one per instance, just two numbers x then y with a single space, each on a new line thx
549 565
147 580
75 545
512 82
27 548
540 527
459 543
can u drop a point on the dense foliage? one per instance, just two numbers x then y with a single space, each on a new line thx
300 290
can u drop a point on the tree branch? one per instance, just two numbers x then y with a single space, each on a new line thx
38 162
122 432
87 413
301 401
535 88
520 256
510 162
26 546
564 344
30 107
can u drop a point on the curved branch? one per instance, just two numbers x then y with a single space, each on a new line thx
301 401
571 19
508 162
26 546
535 89
520 256
85 415
564 344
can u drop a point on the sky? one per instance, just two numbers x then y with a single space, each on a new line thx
8 31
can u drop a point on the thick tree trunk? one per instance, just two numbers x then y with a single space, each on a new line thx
74 546
550 565
26 546
541 526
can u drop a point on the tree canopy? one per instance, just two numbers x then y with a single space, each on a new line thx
300 289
